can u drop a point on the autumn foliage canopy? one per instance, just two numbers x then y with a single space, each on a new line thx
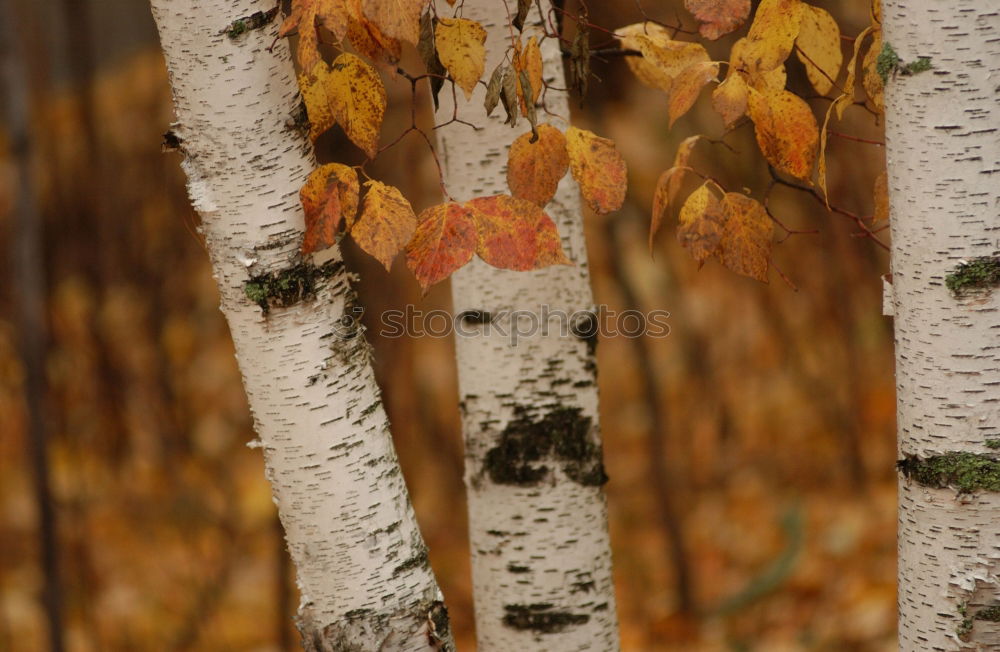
513 231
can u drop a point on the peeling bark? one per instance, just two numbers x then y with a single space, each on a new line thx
541 561
361 563
943 148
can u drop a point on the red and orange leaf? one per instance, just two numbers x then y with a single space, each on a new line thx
718 17
818 47
515 234
687 86
357 100
746 236
329 195
786 131
535 168
772 34
881 192
398 19
386 223
669 184
729 99
599 169
460 47
308 15
444 241
700 224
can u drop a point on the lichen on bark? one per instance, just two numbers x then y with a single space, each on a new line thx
287 287
967 472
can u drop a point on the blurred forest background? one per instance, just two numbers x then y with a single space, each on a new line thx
752 493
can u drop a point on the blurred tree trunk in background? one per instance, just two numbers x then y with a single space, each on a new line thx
27 277
361 563
534 471
943 150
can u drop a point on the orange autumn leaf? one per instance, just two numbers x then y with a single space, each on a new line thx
460 47
599 169
386 223
821 165
530 61
772 34
729 99
746 236
881 192
687 86
786 131
515 234
700 224
818 47
535 168
669 184
444 241
718 17
329 195
398 19
308 15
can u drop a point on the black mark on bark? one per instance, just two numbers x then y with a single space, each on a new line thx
541 618
288 286
528 446
256 20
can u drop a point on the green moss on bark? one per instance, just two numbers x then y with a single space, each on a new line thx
888 62
977 274
967 472
256 20
288 286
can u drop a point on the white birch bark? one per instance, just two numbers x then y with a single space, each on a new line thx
361 563
541 560
943 145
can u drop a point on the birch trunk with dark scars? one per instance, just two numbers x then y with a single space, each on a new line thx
943 147
541 559
361 564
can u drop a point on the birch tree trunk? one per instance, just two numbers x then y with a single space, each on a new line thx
361 563
541 560
943 145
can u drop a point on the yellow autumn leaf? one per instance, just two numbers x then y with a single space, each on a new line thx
700 224
881 193
398 19
746 236
307 15
386 223
669 184
821 167
871 79
663 58
599 169
358 101
763 80
645 72
818 47
845 100
786 131
687 86
772 34
460 46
